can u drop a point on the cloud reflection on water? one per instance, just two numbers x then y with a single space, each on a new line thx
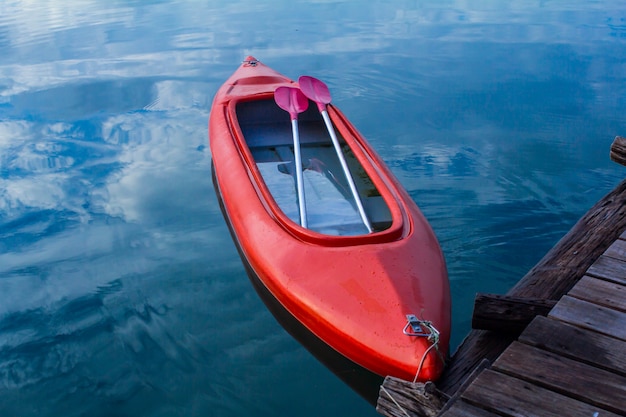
120 290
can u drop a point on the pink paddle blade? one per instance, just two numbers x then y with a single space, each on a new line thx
315 90
291 100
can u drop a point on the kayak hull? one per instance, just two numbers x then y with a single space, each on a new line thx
352 290
362 381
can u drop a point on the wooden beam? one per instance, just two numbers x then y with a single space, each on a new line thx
507 314
399 398
618 150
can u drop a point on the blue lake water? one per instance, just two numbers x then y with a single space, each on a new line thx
121 292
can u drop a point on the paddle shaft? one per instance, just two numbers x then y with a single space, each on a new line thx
298 169
346 170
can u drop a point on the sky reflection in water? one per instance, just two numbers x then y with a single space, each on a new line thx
121 292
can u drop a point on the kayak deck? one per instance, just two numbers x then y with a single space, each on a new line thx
331 208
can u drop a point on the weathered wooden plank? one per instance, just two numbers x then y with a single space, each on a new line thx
399 398
573 342
597 291
565 376
509 396
591 316
507 314
617 250
609 269
464 409
618 150
551 278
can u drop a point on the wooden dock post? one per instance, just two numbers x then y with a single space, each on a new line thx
618 150
506 314
399 398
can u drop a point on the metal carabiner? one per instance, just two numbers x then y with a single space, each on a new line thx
420 328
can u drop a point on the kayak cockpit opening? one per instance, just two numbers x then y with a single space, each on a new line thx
330 206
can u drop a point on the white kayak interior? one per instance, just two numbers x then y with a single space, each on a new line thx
330 205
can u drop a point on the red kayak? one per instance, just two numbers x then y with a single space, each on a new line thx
338 244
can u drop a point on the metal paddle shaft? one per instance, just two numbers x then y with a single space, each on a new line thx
293 101
317 91
298 168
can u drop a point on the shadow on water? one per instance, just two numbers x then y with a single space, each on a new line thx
362 381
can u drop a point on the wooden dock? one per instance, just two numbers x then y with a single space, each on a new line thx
571 363
557 347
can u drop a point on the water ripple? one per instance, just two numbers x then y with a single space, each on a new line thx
121 292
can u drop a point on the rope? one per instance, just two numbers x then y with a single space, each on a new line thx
419 368
394 401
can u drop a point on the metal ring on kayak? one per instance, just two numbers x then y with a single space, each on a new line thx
250 62
420 328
